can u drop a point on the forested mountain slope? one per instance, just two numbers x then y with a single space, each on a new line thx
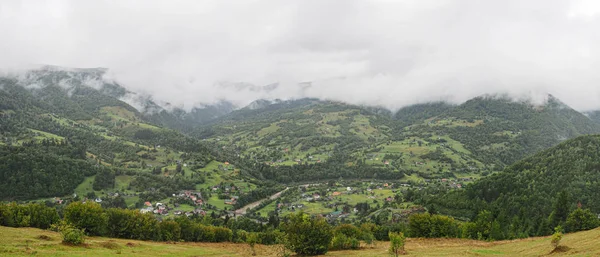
62 133
534 195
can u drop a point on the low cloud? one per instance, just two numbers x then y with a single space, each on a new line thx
386 53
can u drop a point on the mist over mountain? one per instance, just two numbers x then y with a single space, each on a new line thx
385 53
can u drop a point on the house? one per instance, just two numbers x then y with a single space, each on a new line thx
389 199
148 204
316 196
159 204
348 189
458 186
177 212
229 201
336 193
98 200
300 205
386 163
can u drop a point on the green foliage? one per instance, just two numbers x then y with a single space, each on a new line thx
433 226
343 242
35 171
523 197
348 230
397 241
88 216
72 235
348 236
29 215
104 179
556 237
252 240
307 235
169 231
581 219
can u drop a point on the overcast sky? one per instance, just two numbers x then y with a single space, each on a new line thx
389 53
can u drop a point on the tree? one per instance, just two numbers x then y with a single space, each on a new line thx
556 237
397 241
561 209
581 219
252 239
307 235
88 216
170 231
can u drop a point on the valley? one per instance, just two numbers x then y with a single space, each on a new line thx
491 168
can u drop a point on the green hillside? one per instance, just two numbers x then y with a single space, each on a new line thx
428 141
66 131
102 147
536 194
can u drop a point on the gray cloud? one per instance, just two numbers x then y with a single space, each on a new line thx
389 53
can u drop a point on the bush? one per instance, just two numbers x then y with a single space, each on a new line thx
348 230
252 240
223 234
342 242
71 234
170 231
556 237
433 226
306 235
268 237
397 241
581 219
88 216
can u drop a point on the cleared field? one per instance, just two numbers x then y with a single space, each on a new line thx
27 241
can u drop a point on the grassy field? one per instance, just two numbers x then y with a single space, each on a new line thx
28 241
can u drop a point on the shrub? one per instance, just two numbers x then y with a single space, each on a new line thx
581 219
71 234
348 230
223 234
268 237
170 231
342 242
306 235
88 216
556 237
397 241
252 240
